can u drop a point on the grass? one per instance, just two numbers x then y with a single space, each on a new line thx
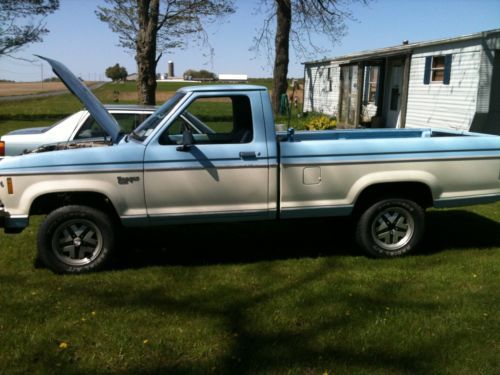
290 297
231 299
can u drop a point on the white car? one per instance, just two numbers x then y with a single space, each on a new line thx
80 126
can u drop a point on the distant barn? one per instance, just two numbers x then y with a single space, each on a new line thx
232 77
449 83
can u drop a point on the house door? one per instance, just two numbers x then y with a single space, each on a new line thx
395 89
348 95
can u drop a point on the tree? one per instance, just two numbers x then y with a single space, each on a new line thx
150 27
199 74
298 22
117 73
18 26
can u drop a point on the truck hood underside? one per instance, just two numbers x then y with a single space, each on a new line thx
88 99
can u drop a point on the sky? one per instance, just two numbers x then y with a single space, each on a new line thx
87 46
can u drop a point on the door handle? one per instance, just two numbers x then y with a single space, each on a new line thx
248 154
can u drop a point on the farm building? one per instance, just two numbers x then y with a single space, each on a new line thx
449 83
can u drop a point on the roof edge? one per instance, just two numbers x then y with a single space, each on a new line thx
387 51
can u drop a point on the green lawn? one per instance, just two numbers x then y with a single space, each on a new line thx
291 297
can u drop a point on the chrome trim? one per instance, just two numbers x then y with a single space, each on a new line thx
203 217
197 168
466 201
316 211
101 171
378 161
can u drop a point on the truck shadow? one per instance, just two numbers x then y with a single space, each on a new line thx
250 242
459 230
247 242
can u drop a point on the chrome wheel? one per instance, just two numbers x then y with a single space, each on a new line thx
393 228
77 242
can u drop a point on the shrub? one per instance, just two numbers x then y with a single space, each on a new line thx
117 73
321 122
199 74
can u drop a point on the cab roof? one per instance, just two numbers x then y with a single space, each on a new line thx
209 88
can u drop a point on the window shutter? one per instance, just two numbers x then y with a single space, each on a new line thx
447 69
427 70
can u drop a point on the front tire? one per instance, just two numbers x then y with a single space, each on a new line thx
391 228
76 239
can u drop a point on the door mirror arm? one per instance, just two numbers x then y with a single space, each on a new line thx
187 140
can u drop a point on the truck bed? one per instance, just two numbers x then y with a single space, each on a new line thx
373 134
326 170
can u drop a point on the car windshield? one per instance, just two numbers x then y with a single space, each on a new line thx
147 127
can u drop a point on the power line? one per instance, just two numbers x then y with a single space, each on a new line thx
10 71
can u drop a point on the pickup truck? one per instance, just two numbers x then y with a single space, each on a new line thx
211 153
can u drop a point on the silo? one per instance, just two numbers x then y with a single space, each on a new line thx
170 69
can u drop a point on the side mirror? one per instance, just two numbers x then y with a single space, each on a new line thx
187 140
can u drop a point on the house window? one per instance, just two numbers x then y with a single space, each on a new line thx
370 87
437 70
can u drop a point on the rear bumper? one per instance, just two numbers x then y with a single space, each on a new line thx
12 224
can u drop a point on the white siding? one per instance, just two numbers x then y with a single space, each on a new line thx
445 106
317 94
485 76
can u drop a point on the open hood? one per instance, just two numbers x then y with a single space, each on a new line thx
93 105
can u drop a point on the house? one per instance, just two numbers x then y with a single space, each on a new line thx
449 83
132 77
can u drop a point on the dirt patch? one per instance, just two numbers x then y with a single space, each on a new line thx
29 88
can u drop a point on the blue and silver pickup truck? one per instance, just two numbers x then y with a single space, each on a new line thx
211 153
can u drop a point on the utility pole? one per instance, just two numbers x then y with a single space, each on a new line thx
41 68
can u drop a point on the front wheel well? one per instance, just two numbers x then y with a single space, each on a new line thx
418 192
47 203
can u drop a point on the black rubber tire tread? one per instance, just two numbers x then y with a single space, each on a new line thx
55 219
364 237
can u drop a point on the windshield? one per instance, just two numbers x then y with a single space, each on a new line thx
147 127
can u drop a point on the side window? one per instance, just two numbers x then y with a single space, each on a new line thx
214 120
90 129
127 122
130 121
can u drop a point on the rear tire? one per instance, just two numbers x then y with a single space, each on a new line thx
391 228
76 239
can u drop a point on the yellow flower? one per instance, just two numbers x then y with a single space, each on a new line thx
63 345
145 342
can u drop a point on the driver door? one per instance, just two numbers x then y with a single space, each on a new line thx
223 174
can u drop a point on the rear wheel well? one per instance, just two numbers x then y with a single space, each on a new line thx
47 203
415 191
